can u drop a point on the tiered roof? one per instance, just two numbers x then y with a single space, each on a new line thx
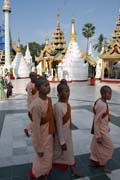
112 51
57 48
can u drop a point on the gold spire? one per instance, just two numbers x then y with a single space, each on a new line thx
116 34
73 32
46 40
19 46
58 41
6 6
58 19
119 12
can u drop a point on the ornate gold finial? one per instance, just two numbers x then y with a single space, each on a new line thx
73 20
58 18
6 6
119 12
73 32
46 40
19 45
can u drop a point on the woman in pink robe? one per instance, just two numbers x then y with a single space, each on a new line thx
30 89
63 146
42 130
32 93
101 145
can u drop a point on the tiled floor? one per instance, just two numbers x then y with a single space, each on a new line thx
16 151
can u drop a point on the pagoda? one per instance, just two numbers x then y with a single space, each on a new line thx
53 52
111 55
73 67
58 41
21 68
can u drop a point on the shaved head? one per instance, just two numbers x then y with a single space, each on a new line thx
105 89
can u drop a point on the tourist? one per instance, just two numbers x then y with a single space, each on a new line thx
32 93
63 146
43 128
9 85
2 89
101 145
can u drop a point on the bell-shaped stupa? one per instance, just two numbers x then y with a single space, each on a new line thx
28 57
20 67
73 67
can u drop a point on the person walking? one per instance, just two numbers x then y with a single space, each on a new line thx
43 128
63 156
32 93
101 145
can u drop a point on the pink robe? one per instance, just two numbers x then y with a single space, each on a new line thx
101 153
42 140
30 97
62 136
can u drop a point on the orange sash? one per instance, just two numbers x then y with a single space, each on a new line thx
49 117
67 116
103 115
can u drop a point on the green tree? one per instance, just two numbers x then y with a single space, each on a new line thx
101 42
88 31
35 49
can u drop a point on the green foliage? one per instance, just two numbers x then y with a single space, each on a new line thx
35 49
88 31
54 65
101 42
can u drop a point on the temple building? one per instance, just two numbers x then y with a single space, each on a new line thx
73 66
53 52
111 56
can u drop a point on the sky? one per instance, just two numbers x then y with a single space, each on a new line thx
32 20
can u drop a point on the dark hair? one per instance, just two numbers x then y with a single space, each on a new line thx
61 86
105 89
39 81
32 74
63 81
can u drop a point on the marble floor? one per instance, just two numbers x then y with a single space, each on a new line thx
16 151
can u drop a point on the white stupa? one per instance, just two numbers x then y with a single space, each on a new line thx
20 67
28 57
99 66
73 67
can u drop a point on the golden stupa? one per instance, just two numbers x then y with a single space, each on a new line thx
53 52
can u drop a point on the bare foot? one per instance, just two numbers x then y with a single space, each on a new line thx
26 132
76 174
94 164
106 169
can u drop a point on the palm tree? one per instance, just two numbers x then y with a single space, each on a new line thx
88 31
101 42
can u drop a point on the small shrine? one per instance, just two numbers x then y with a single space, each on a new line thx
111 56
